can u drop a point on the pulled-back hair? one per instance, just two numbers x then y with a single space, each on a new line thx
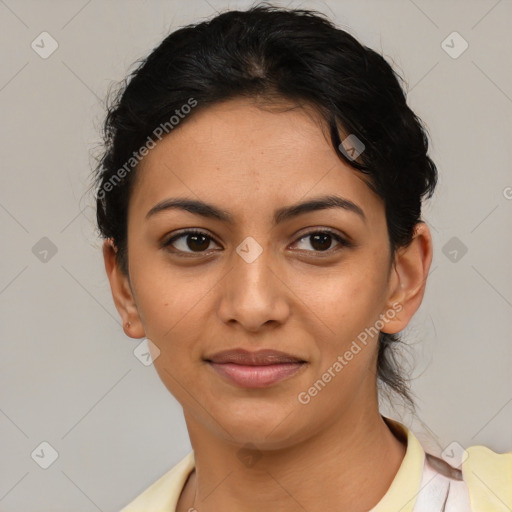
274 54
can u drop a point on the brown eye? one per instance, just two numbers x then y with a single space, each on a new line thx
321 241
197 242
190 241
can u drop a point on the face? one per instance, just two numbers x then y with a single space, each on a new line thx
307 283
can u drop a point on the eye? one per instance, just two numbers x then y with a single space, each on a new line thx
196 241
189 242
321 241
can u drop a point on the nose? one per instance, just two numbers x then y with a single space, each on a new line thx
253 293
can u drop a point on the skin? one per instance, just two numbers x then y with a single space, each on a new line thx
336 452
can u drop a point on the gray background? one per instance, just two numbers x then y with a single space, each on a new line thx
69 376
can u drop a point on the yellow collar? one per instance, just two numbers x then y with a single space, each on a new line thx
402 492
163 495
487 474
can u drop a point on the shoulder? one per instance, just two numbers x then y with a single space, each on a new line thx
483 483
488 475
477 479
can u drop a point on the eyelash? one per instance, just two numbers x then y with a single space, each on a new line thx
342 241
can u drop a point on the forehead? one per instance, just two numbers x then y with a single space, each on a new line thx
238 153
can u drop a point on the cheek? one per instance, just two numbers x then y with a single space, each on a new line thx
174 308
168 301
349 305
347 301
172 316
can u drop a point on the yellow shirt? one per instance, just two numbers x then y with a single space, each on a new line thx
423 483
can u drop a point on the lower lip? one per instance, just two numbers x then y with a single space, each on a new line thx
256 376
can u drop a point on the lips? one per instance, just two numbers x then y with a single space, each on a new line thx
255 369
262 357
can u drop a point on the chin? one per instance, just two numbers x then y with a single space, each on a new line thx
268 426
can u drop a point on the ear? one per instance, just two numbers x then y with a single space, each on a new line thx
407 280
122 292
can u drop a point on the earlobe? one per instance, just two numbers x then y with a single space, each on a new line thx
408 278
122 292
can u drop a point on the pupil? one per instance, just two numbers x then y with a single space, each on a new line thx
194 245
323 238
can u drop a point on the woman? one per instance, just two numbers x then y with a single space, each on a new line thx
260 198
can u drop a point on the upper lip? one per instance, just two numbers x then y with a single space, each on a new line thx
253 358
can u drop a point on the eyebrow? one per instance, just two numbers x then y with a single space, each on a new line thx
280 215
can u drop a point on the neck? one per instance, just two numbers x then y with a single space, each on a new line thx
348 466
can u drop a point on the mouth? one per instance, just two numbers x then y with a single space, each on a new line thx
255 369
